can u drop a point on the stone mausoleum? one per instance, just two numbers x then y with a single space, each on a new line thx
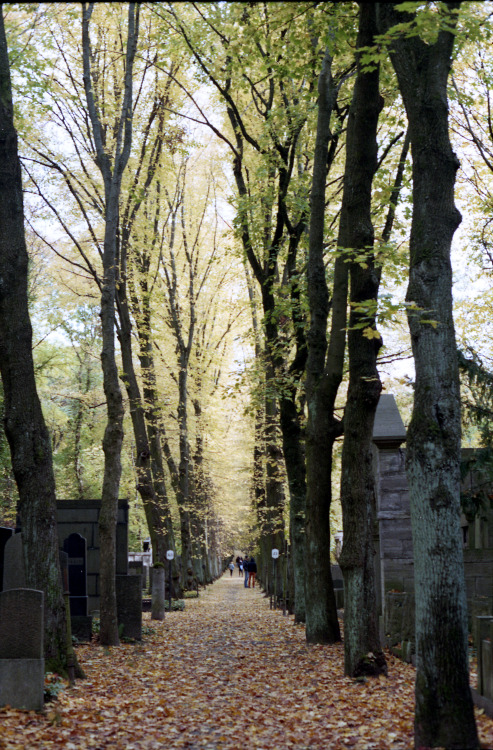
393 537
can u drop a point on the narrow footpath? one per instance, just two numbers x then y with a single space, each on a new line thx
228 673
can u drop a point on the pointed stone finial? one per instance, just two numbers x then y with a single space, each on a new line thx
388 428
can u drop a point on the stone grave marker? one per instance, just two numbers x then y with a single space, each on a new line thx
135 567
486 669
76 548
158 594
394 606
138 567
129 605
482 630
21 649
14 576
5 535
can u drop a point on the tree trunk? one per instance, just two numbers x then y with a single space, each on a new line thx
158 442
153 508
271 519
23 419
363 653
322 625
294 458
444 712
112 168
184 478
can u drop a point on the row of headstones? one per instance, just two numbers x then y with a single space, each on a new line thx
398 635
21 624
21 639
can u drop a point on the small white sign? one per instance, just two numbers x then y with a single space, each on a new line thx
275 553
170 554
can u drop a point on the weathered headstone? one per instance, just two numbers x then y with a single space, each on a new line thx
135 567
158 594
394 605
14 575
138 567
21 649
481 630
338 583
76 548
129 605
5 535
480 606
486 669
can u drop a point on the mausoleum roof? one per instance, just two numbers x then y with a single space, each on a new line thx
388 429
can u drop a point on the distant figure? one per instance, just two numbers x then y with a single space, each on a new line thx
239 563
245 568
252 572
231 567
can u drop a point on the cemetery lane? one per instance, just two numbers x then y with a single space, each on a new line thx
226 673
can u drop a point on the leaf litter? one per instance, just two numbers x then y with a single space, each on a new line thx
227 673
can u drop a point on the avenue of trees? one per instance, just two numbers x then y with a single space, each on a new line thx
217 218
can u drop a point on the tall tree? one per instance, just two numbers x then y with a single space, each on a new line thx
363 652
444 713
111 158
322 625
23 419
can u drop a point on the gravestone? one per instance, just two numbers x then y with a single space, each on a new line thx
158 594
76 548
394 609
14 576
338 583
21 649
138 567
135 567
482 629
5 535
486 669
129 605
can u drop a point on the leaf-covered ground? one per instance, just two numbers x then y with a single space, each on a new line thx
226 674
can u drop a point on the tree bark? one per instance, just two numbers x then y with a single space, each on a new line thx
362 649
444 712
154 507
112 168
25 428
322 625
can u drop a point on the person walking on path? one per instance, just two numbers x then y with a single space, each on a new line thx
245 568
252 572
231 567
